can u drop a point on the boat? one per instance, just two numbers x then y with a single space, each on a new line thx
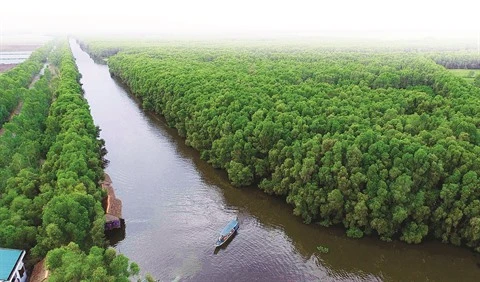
227 232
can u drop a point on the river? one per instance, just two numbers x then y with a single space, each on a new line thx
175 204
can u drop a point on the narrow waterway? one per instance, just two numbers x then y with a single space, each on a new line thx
175 204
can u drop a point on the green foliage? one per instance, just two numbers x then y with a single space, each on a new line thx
323 249
476 80
69 218
70 263
73 162
21 152
70 174
468 75
15 81
382 143
149 278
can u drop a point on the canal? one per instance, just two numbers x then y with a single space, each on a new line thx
175 204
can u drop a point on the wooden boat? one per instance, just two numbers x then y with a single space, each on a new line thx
227 232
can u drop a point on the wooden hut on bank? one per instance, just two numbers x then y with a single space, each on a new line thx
113 206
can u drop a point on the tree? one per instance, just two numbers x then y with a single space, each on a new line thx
476 80
69 263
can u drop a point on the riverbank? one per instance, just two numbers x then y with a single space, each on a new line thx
112 205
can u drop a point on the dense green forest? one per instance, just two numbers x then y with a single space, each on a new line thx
382 143
21 151
51 164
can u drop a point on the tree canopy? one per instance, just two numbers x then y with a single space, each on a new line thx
70 263
384 143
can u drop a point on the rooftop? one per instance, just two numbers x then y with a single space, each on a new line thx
8 260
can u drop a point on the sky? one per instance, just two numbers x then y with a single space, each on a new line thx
425 17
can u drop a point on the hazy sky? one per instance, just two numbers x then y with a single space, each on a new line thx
241 16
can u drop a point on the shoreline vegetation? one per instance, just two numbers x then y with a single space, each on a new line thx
381 142
50 170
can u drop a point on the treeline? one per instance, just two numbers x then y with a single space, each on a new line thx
99 52
50 196
384 144
72 169
457 60
18 78
104 47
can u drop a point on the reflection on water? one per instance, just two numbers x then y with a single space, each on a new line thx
175 204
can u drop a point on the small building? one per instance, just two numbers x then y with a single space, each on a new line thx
12 268
113 206
112 222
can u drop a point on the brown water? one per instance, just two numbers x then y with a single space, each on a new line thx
175 204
